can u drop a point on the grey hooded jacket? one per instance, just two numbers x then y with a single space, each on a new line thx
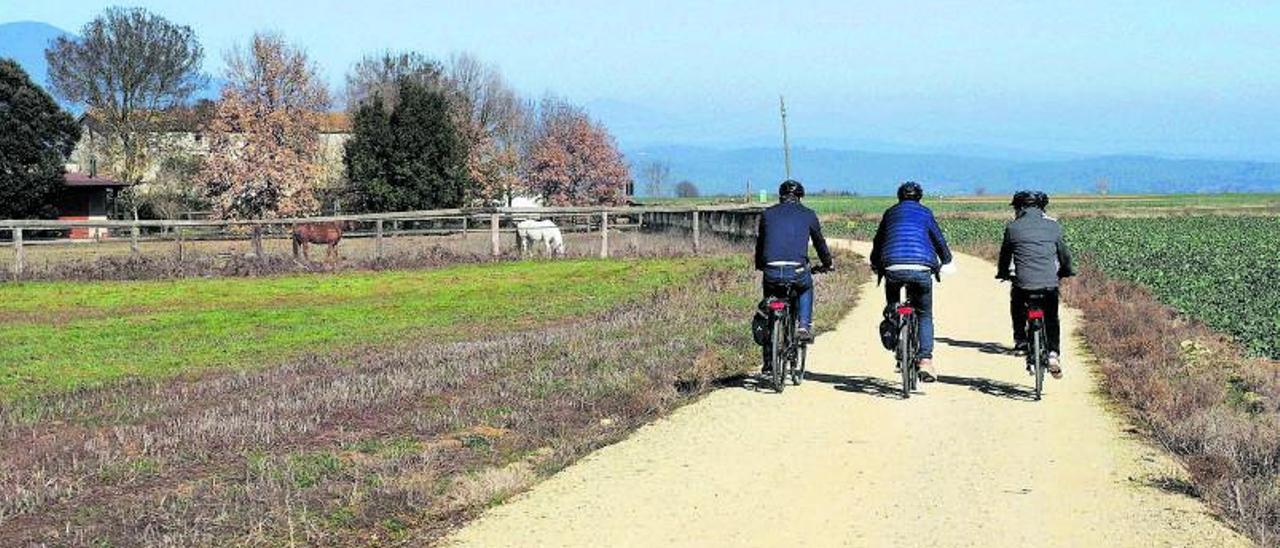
1033 244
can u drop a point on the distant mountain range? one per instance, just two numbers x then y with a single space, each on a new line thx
727 171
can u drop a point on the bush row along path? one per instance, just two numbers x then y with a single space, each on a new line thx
841 460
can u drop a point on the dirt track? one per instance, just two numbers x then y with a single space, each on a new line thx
841 460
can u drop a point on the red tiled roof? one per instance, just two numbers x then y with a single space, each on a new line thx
83 180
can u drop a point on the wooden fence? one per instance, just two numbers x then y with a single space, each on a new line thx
738 220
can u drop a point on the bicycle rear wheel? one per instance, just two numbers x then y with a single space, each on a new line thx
1040 360
778 344
905 358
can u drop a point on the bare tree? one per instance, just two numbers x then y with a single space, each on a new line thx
574 160
496 125
1102 185
656 174
127 66
379 76
173 191
686 189
264 146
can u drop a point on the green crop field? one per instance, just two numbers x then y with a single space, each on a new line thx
1221 270
63 335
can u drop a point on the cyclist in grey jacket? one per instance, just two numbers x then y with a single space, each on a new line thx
1034 256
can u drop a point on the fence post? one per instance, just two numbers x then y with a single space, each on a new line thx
465 233
133 238
178 233
604 235
19 256
697 232
257 241
493 235
377 239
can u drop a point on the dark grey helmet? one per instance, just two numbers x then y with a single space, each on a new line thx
1042 200
910 190
1024 198
791 187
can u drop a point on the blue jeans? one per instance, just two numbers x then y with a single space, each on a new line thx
775 276
919 284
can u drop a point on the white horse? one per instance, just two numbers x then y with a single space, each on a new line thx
530 232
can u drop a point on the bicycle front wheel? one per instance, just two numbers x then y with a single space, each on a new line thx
801 354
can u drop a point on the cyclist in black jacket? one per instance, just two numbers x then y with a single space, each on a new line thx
782 250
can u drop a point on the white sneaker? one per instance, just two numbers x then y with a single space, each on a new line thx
1055 367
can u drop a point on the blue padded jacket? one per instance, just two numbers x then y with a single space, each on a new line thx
909 235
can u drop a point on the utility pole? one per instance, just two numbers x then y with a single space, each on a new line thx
786 145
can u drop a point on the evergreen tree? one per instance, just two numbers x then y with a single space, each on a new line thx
36 136
411 158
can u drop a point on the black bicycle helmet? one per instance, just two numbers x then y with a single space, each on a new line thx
1042 200
791 188
910 190
1024 198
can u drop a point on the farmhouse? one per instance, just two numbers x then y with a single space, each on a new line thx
181 133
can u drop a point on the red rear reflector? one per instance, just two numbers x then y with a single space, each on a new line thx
1035 314
905 310
777 305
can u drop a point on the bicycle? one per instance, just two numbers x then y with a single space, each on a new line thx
788 354
1037 343
907 352
907 346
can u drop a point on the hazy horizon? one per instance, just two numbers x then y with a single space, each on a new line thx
1195 81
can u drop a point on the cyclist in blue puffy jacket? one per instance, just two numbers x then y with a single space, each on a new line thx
782 250
909 249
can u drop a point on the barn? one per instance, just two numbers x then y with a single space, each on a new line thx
85 198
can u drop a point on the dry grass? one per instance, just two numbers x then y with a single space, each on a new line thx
1196 393
377 446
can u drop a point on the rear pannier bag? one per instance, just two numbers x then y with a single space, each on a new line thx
889 330
760 323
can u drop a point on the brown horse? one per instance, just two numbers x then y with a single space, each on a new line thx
319 233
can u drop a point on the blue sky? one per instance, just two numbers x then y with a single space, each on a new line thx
1182 78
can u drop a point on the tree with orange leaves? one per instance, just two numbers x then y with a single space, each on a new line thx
264 149
574 160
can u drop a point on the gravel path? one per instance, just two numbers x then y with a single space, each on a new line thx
842 461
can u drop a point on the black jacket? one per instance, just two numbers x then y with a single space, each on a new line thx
784 233
1033 244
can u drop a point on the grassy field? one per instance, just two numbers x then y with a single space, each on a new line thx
62 335
392 441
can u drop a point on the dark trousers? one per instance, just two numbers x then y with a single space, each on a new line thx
773 284
919 284
1047 299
